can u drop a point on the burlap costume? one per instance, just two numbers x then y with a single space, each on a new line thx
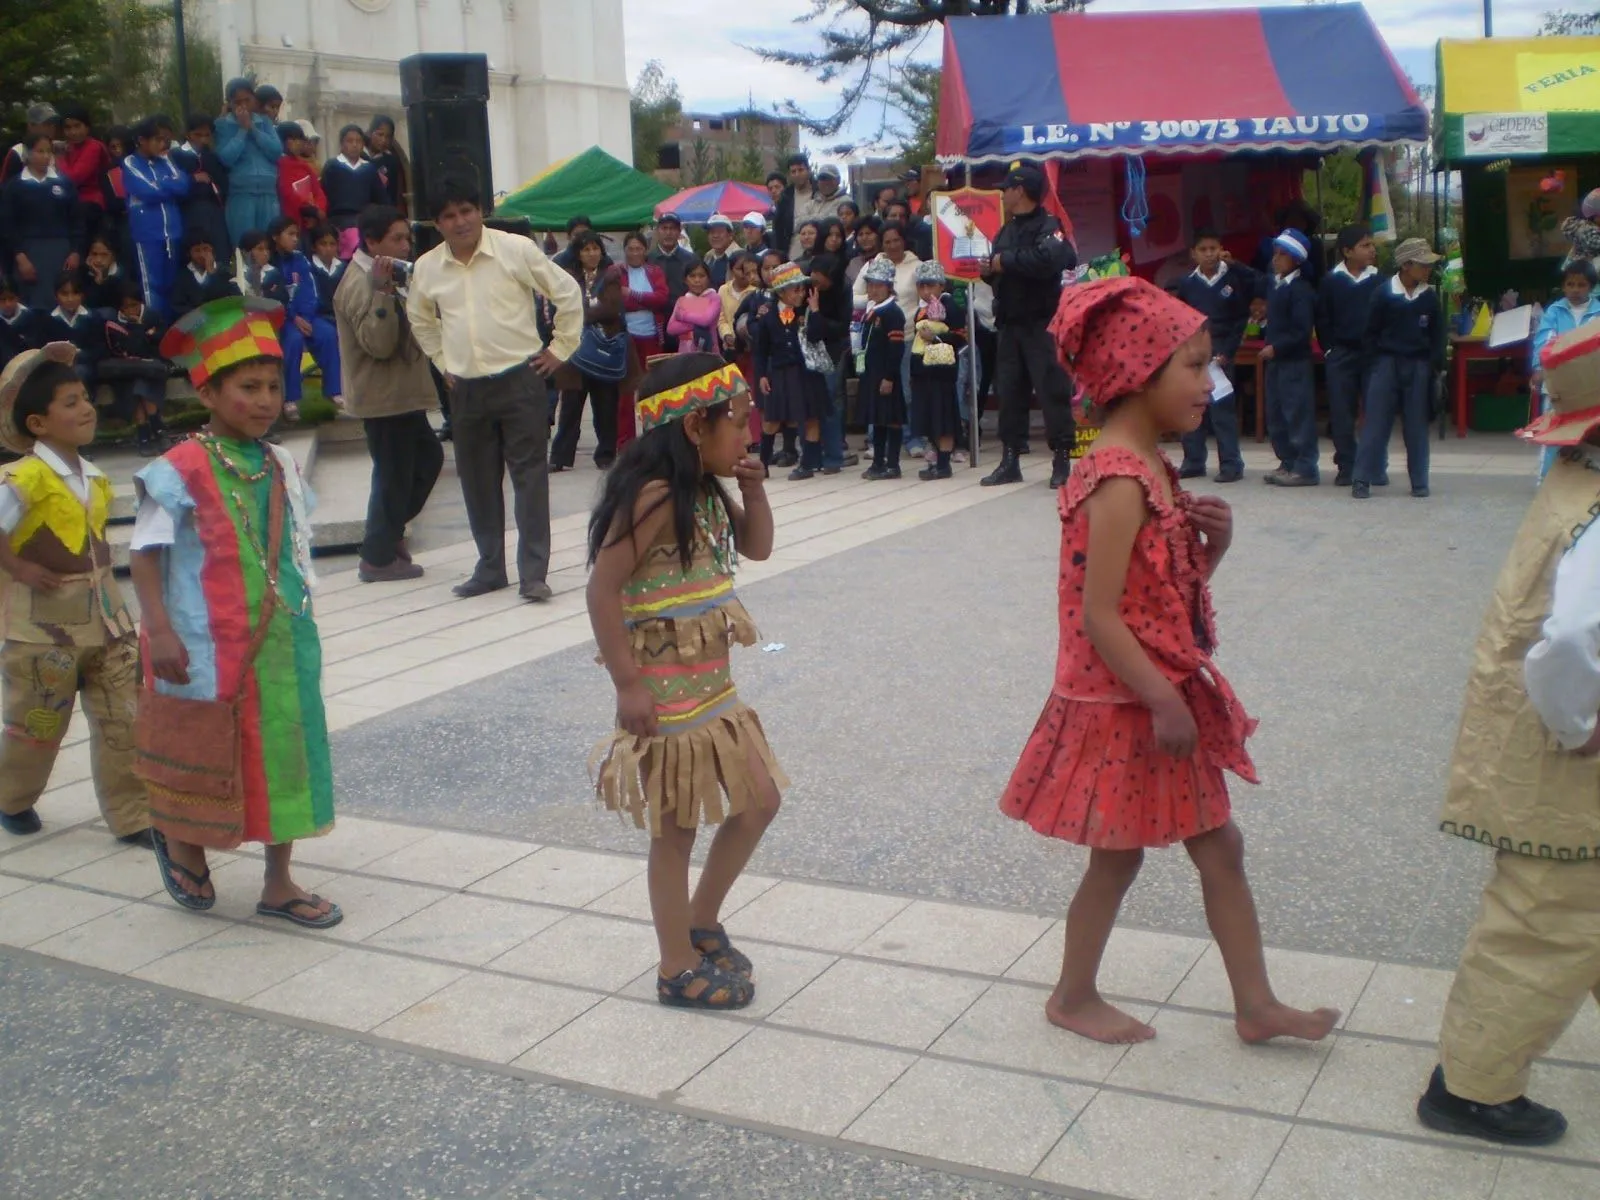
1534 954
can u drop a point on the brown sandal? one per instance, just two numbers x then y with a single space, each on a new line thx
708 986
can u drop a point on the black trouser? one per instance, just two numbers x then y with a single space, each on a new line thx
406 461
502 421
987 345
603 398
1025 364
1348 372
443 391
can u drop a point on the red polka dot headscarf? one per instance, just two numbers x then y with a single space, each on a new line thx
1114 334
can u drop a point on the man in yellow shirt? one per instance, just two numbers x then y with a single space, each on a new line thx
471 306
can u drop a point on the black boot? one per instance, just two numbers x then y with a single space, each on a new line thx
1009 471
1061 469
1518 1122
891 467
789 457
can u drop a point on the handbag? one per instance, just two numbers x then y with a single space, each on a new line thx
939 354
187 751
816 356
601 355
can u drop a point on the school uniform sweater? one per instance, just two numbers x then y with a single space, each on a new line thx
192 288
393 175
38 210
1224 299
23 330
327 283
1291 318
139 338
84 330
1403 326
1343 303
776 343
104 296
955 320
350 189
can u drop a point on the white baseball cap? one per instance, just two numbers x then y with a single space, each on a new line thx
755 220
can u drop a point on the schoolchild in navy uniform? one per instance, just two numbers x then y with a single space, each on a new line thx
1344 299
938 333
883 346
1224 291
326 268
103 277
134 368
114 190
793 396
71 322
202 279
205 208
352 184
261 277
41 221
1291 381
21 327
751 309
1405 340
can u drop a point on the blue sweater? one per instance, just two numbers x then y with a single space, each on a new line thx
23 331
86 332
351 190
1342 305
1225 301
295 272
251 155
1291 316
32 209
155 189
327 283
1406 328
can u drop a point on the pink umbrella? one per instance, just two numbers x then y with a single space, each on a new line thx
695 206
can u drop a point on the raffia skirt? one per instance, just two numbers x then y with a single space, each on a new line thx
696 769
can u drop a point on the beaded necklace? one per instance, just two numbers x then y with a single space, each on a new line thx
711 520
241 505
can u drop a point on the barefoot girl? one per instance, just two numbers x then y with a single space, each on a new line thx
221 561
687 751
1131 747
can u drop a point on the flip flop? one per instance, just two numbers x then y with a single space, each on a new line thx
184 899
287 911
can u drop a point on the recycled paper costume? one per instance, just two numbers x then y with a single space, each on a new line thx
695 770
207 503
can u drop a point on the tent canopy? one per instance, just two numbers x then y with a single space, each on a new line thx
1072 85
1518 97
592 184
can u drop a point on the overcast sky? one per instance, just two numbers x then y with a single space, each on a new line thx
700 43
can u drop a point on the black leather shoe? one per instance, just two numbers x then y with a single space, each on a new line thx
1344 479
1191 473
1518 1122
535 591
477 587
23 822
929 474
1233 476
1361 491
1008 471
801 474
1061 469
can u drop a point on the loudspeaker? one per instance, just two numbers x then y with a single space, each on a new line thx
443 77
449 140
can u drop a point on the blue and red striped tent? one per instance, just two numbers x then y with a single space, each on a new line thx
1070 85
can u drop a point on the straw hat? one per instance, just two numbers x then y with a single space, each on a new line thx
18 371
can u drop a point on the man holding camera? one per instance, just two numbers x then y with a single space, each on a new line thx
387 385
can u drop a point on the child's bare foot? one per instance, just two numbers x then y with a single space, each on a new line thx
1279 1020
1098 1021
277 895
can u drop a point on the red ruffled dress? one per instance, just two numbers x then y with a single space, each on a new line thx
1091 773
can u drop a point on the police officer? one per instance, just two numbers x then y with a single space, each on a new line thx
1030 256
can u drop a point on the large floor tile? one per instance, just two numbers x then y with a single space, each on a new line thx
1007 1027
604 953
132 873
1201 1058
42 911
238 885
1581 1041
1303 980
558 876
1326 1164
10 883
488 1016
632 899
816 917
881 1002
1402 1001
467 929
956 936
1137 964
47 857
1373 1085
799 1082
450 859
780 972
1184 1152
354 842
1573 1090
1524 1180
128 938
68 805
372 905
976 1116
642 1049
237 962
356 989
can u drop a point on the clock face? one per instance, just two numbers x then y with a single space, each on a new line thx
371 6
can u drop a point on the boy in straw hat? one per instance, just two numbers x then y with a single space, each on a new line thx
65 625
1524 781
222 562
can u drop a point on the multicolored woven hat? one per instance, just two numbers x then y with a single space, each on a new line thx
12 436
789 275
708 391
223 334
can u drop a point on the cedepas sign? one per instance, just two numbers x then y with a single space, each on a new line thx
965 224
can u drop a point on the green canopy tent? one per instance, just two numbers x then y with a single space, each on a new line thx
592 184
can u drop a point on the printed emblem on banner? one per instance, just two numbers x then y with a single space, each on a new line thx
1494 135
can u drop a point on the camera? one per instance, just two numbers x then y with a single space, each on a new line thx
402 272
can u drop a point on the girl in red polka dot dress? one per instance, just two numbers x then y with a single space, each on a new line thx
1131 748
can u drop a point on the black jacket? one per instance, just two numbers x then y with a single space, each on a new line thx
1034 253
1291 319
87 333
25 331
776 345
189 292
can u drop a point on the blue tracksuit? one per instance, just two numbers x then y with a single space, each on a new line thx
156 187
251 156
323 340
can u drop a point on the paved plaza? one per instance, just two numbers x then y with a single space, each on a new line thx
483 1022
